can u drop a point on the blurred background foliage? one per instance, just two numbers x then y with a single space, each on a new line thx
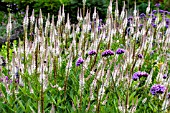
17 7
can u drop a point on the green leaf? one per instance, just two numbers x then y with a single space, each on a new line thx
4 90
21 105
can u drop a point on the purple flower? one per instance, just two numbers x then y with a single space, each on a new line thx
79 61
154 18
157 5
140 56
144 74
92 52
139 74
166 26
142 15
164 76
107 53
154 25
6 78
167 21
120 51
154 11
161 11
157 89
168 95
166 12
135 77
130 18
141 25
100 20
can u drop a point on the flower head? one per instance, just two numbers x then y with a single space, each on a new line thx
92 52
142 15
79 61
164 76
120 51
107 53
161 11
139 74
157 89
157 5
140 56
154 11
168 95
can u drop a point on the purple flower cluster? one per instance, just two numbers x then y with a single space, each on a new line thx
154 11
139 74
167 22
92 52
79 61
161 11
157 5
164 76
157 89
168 95
154 25
142 15
120 51
107 53
140 56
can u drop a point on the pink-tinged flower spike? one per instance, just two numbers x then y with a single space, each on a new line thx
79 61
107 53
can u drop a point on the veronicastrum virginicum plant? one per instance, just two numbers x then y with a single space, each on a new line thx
121 65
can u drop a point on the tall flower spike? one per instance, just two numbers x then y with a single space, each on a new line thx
123 11
25 22
40 20
116 10
63 14
148 8
9 25
135 11
32 18
94 14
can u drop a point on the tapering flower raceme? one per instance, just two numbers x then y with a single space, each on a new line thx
140 56
157 5
120 51
157 89
92 52
107 53
139 74
79 61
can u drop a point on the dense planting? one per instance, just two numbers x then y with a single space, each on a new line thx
121 65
